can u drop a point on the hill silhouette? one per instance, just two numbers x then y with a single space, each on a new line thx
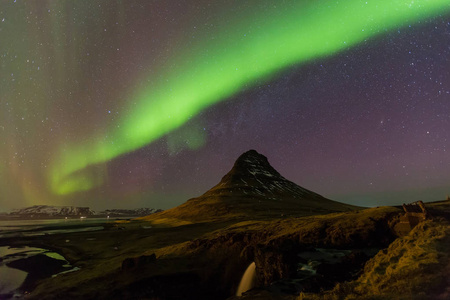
251 189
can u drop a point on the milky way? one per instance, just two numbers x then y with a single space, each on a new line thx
147 104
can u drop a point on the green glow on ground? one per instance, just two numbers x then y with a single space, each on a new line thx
249 49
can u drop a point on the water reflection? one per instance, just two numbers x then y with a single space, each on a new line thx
20 267
19 228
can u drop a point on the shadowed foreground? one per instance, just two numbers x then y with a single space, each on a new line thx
303 246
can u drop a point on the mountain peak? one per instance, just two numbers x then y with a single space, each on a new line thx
251 156
253 163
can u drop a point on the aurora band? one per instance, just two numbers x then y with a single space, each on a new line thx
216 67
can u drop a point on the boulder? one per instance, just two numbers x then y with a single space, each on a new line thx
131 263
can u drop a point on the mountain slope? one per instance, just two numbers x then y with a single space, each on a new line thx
252 189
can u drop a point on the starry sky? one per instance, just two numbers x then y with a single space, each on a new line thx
125 104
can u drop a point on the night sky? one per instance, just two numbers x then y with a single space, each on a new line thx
125 104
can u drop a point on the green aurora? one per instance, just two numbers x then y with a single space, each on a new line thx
251 48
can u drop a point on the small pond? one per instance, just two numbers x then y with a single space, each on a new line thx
20 267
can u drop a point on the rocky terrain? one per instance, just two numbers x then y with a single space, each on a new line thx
303 246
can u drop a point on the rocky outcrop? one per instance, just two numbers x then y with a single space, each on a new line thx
276 262
131 263
415 213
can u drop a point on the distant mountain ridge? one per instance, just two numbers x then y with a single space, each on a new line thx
69 211
130 212
50 210
253 188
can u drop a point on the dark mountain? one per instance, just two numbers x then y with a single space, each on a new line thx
252 188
